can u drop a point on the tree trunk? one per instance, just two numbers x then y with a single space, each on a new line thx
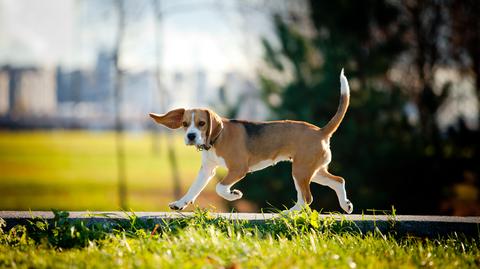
172 157
120 148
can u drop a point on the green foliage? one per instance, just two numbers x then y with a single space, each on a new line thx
292 240
374 139
380 155
60 233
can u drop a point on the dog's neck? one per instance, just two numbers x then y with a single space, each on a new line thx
212 142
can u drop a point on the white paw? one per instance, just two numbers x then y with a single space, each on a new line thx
232 195
348 206
295 208
179 205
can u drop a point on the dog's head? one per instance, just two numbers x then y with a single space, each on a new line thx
202 126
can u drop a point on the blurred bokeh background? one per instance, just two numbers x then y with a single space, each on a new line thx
78 78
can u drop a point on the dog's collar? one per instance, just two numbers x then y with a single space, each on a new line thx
212 142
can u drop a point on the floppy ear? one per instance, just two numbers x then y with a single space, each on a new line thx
215 126
172 119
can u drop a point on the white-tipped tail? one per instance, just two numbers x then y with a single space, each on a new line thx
344 88
334 122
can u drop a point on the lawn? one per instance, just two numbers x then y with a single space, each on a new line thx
296 241
76 170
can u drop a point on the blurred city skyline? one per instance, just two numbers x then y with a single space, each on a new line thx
216 36
57 59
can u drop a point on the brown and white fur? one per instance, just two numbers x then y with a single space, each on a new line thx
243 147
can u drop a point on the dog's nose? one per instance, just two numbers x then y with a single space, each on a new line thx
191 136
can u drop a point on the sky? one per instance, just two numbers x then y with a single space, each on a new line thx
215 36
35 32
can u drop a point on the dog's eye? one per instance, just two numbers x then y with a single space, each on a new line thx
201 123
185 124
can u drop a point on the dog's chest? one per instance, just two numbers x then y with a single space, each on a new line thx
211 156
266 163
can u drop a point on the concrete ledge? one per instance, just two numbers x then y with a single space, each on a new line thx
429 226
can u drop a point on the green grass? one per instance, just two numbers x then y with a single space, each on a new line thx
76 170
296 241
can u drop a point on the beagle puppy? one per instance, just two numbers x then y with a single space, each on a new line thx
244 146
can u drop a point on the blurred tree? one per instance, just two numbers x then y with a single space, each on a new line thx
465 38
385 159
118 92
164 100
442 38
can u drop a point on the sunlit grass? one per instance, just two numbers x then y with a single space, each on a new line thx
77 170
201 241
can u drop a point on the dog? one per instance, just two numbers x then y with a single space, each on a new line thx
244 146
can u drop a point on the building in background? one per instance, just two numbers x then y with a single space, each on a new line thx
4 94
28 92
83 98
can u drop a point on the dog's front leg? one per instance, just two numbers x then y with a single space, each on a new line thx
207 171
223 187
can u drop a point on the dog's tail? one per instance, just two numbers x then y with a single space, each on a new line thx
333 124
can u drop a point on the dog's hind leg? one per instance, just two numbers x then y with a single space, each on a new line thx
337 184
301 177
